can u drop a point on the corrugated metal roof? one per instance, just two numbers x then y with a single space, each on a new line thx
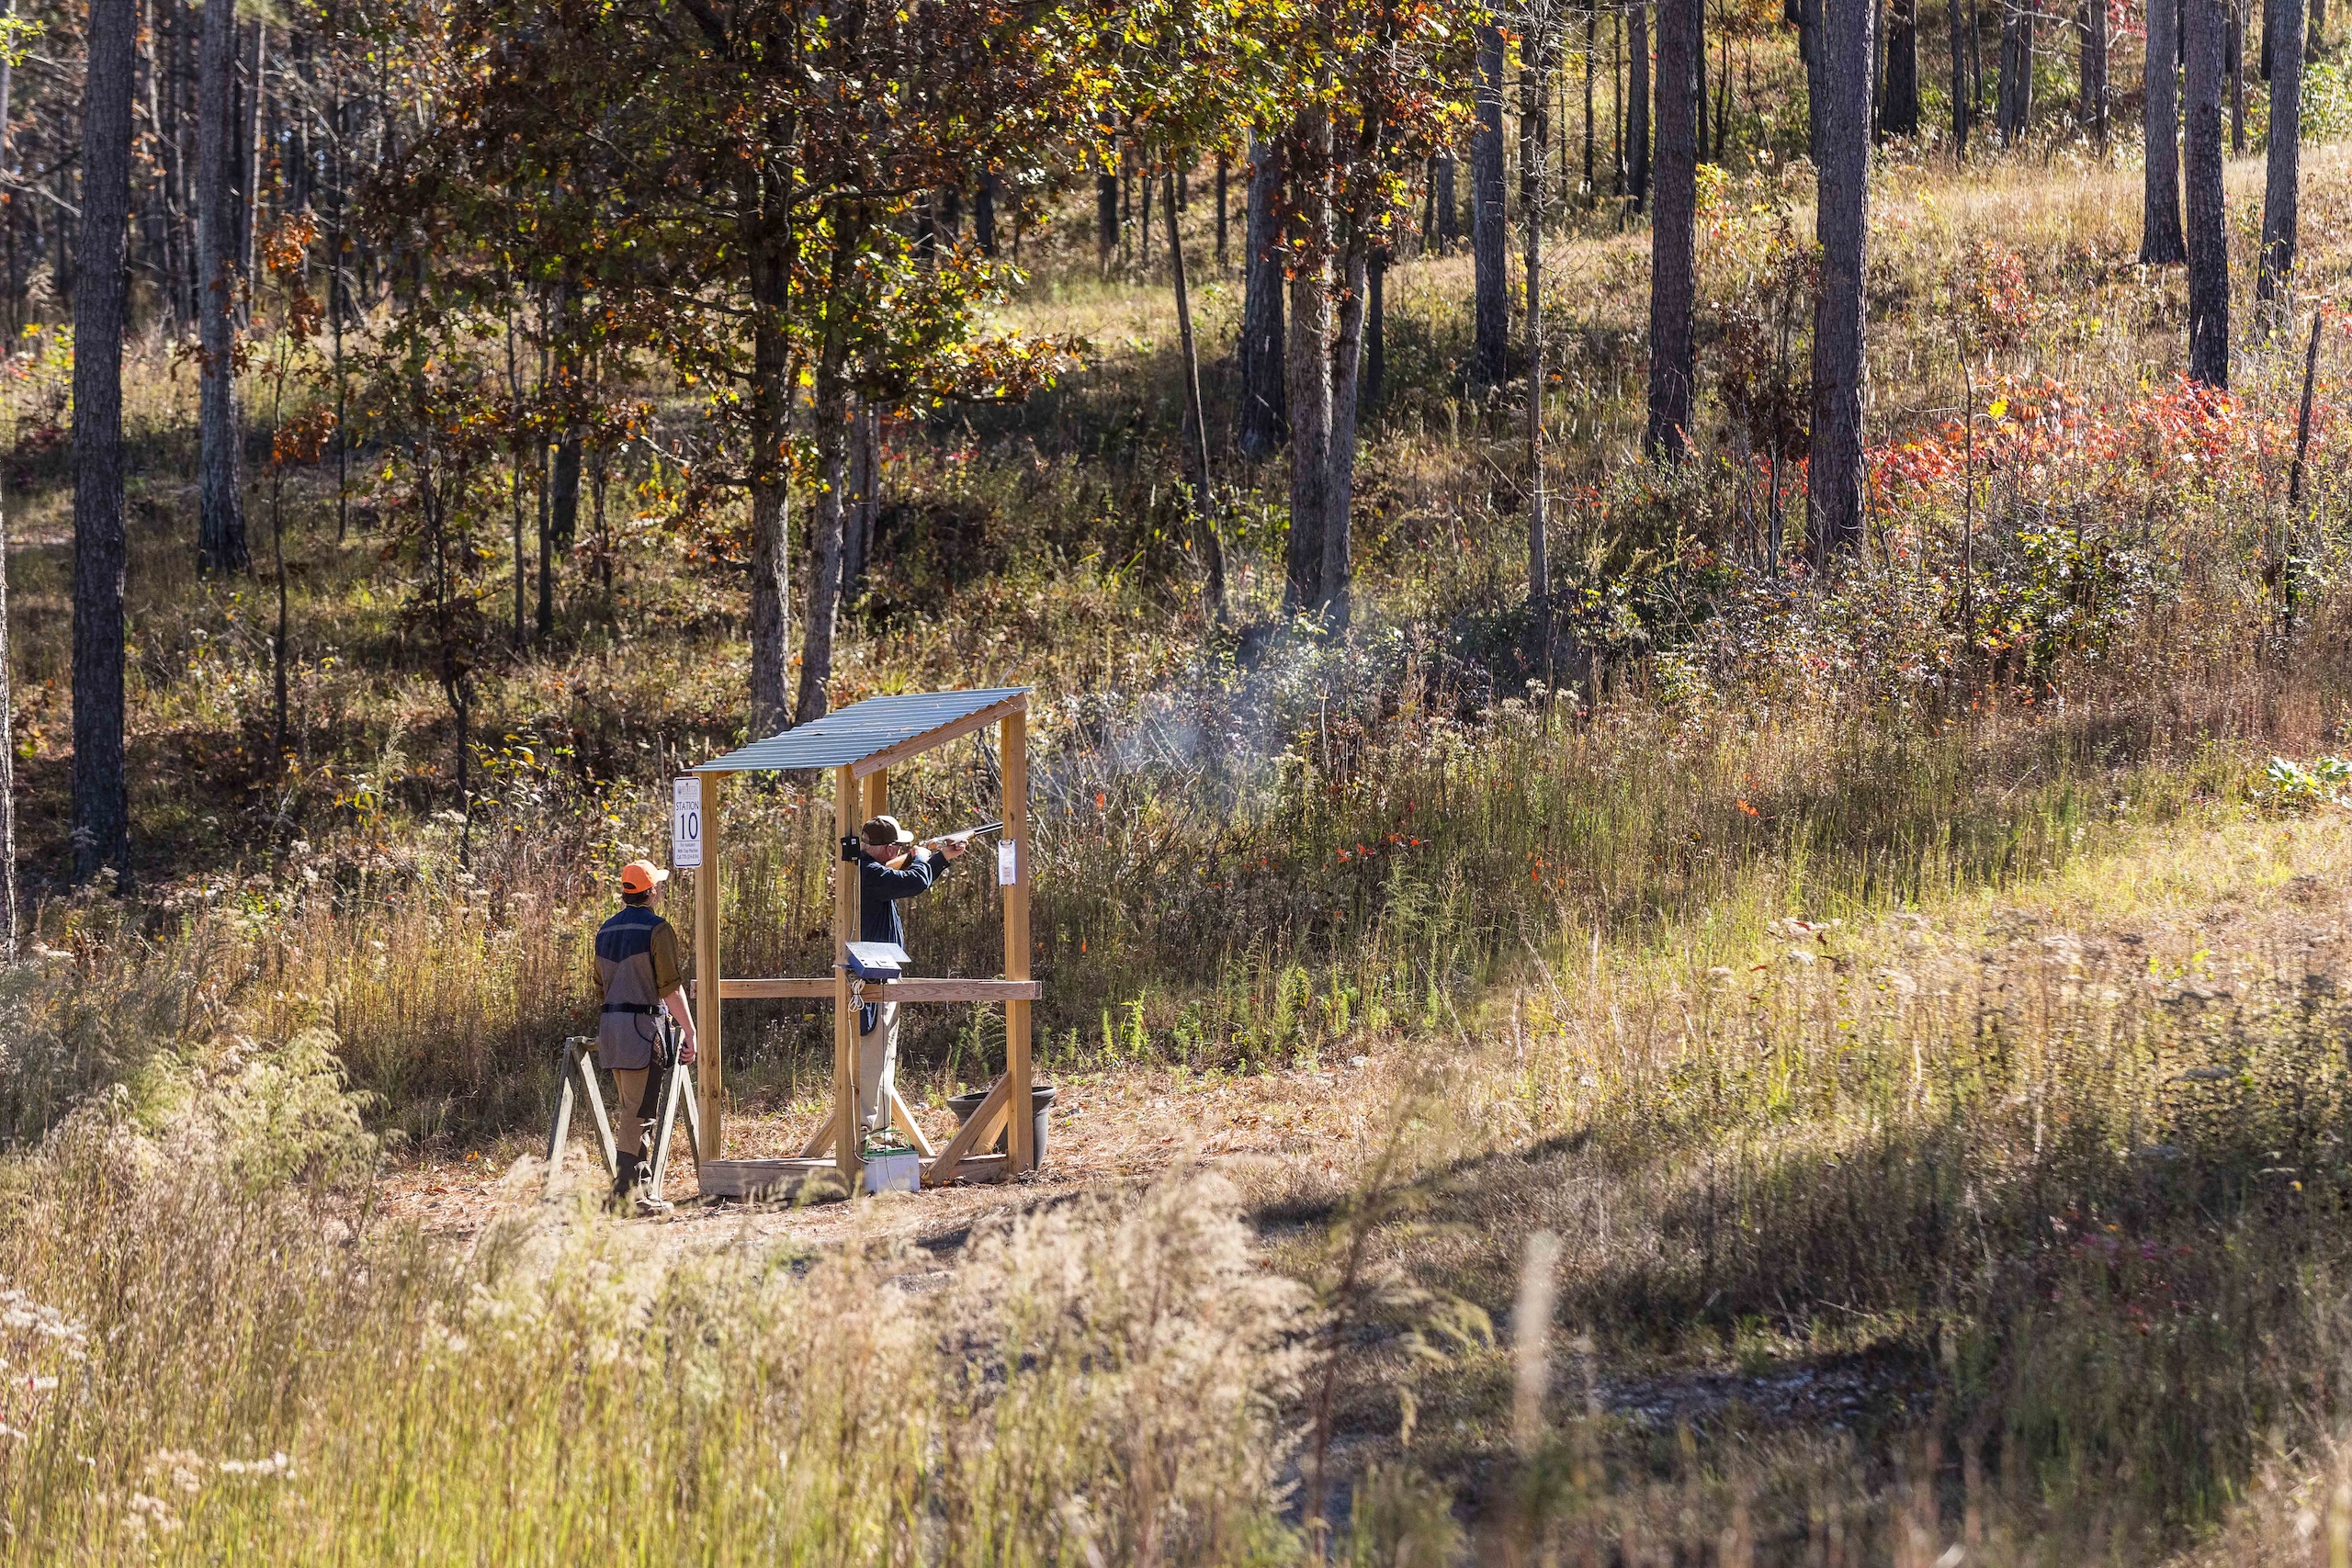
858 732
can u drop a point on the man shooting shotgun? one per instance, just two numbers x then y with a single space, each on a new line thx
891 866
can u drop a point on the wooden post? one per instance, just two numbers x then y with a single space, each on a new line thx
848 1147
1023 1144
706 976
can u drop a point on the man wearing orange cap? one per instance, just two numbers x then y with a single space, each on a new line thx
639 970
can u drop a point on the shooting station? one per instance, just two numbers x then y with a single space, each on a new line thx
859 745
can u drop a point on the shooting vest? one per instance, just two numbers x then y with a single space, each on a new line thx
637 951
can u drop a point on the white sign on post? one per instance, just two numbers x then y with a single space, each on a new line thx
1008 861
685 824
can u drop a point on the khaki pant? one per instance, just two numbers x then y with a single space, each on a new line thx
877 1067
629 1089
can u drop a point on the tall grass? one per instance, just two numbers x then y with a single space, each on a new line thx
215 1359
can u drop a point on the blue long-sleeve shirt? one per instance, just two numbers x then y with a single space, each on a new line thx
879 888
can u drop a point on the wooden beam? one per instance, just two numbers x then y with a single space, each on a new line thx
976 1167
915 746
820 1140
986 1118
1023 1144
710 989
903 1114
820 988
846 1149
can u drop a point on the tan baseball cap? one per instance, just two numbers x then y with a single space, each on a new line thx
880 830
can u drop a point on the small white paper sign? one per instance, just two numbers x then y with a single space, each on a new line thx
685 823
1008 863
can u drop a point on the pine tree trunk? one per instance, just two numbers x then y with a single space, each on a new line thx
1638 103
984 215
2283 42
2209 253
1591 53
221 504
1309 349
1672 238
1901 114
770 244
2161 240
1833 476
11 915
1816 76
1491 313
2092 111
1448 228
1539 562
2013 109
1961 117
251 155
2236 24
1262 363
101 808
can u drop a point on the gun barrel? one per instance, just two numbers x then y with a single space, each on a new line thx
965 835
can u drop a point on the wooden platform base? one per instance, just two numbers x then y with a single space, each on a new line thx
811 1180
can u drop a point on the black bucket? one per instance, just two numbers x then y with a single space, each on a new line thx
1041 1103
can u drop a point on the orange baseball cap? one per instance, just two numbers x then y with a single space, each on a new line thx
642 876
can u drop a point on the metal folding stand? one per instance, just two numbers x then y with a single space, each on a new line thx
576 1058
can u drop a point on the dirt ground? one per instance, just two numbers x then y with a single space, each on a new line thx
1272 1131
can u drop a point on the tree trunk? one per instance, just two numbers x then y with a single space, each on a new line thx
221 504
1375 339
984 215
1224 176
1833 476
1539 564
857 527
830 412
770 244
2092 110
2315 40
2161 240
1591 52
11 920
1262 363
101 808
251 155
1491 314
1961 117
2236 23
1672 239
1447 230
2283 42
1816 76
1106 219
1336 579
2013 109
2208 252
1638 103
1308 350
1205 539
1901 115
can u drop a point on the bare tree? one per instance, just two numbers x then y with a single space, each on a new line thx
1491 324
1833 476
1672 236
101 806
2283 47
2208 242
220 505
2161 240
